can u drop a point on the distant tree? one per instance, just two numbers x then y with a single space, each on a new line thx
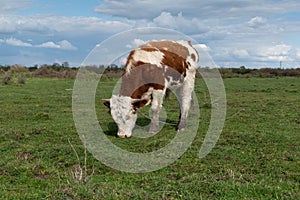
55 64
66 64
241 70
33 68
5 68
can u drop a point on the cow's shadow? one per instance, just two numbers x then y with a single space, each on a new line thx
112 129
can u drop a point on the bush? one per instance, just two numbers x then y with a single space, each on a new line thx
16 74
45 72
7 77
49 72
18 69
21 79
291 72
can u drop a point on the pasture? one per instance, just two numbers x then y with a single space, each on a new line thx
256 157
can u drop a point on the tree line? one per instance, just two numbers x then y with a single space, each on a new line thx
64 70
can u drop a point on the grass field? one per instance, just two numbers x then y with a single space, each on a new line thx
256 157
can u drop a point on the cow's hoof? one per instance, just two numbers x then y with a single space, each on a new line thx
122 136
153 131
181 126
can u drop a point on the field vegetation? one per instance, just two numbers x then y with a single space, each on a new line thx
256 157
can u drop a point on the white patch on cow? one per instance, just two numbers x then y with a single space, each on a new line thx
171 83
151 57
147 95
158 96
123 114
194 64
129 66
187 89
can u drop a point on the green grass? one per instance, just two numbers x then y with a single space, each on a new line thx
256 157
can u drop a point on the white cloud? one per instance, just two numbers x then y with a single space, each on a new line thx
201 47
165 19
9 6
122 60
64 44
256 22
242 53
138 42
135 43
180 23
298 53
49 45
18 43
281 52
14 24
51 24
86 25
224 10
134 9
278 50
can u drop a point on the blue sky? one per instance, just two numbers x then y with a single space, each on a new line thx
62 7
251 33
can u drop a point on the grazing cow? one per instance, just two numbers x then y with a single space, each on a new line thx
150 70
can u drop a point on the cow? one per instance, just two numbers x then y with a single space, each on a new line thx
150 70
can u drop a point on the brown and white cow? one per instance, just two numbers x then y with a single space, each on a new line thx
150 70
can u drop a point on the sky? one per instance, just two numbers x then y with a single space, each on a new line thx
251 33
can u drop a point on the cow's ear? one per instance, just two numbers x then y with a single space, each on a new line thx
106 102
139 103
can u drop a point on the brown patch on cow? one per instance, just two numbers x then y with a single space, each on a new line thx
176 62
170 46
138 63
140 79
193 57
129 58
140 103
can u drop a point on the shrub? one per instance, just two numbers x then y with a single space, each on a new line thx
49 72
21 79
7 77
18 69
45 71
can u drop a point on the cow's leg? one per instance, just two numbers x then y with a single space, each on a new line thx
157 100
186 98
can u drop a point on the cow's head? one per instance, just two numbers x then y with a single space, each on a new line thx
124 112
